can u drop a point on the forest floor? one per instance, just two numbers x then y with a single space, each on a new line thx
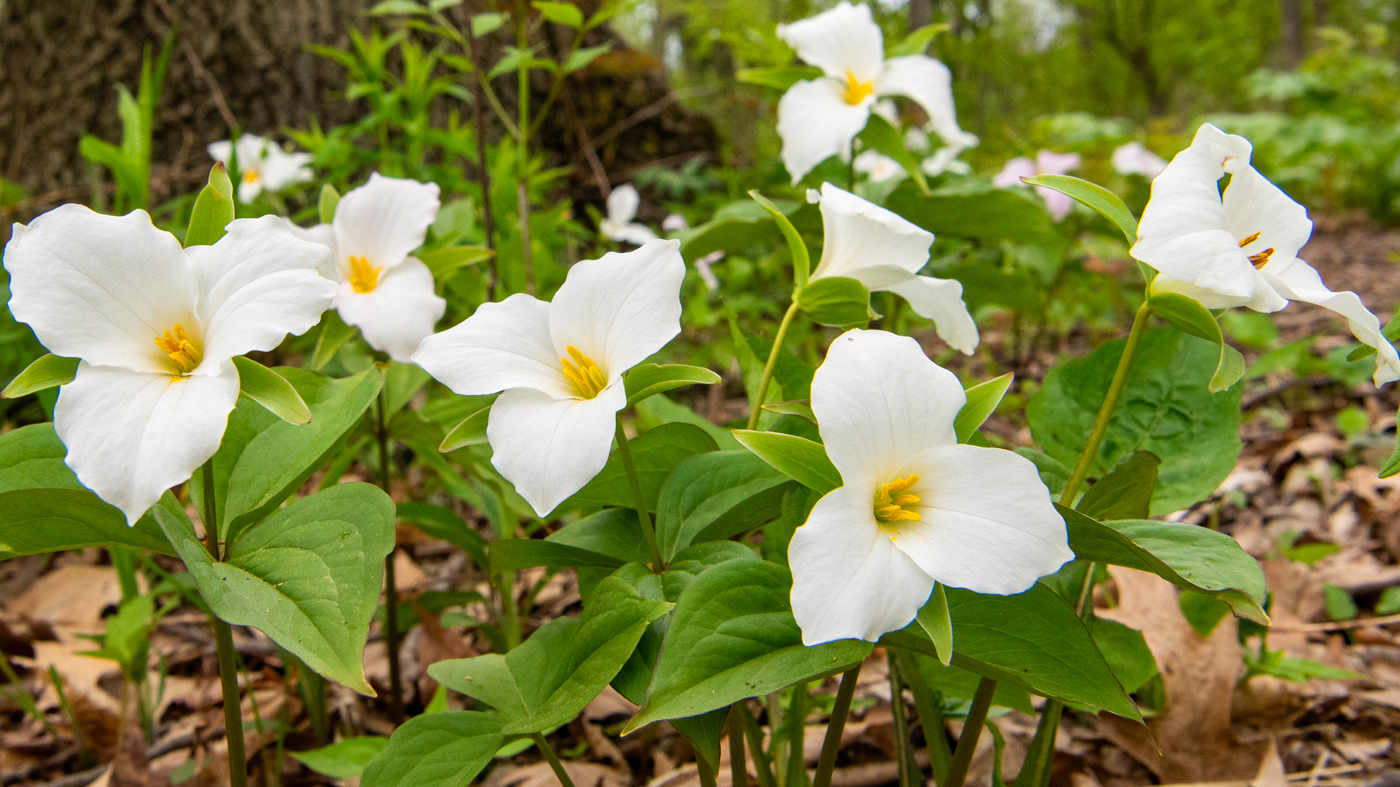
1301 480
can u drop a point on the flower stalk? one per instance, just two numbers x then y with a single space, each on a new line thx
658 564
832 743
391 590
552 758
756 407
972 730
223 640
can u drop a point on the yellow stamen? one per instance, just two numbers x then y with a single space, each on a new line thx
250 176
889 508
363 277
583 374
856 90
1262 258
177 344
1250 239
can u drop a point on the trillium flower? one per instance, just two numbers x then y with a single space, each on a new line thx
915 507
622 208
155 328
1046 163
884 251
945 159
1133 158
560 365
818 118
264 164
1240 249
877 166
383 291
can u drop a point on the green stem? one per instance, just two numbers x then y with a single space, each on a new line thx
756 406
930 716
552 758
391 589
972 730
909 775
1036 771
223 640
643 514
738 768
761 763
707 776
827 762
510 616
776 746
522 164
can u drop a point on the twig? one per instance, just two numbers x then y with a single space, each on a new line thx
1339 625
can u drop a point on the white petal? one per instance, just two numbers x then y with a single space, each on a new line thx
257 284
398 314
929 84
502 345
623 203
840 40
323 234
815 123
249 189
941 300
635 234
221 150
281 169
859 234
879 403
1012 172
100 288
1265 299
383 221
132 435
1299 281
987 524
620 309
1253 205
1228 151
848 581
549 448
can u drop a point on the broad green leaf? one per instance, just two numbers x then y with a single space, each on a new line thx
548 680
327 203
1126 652
34 521
436 750
1190 557
958 683
982 401
271 390
704 732
802 408
46 372
716 495
308 577
661 410
612 531
582 57
344 759
1190 317
447 261
984 213
31 457
780 78
800 459
650 379
407 7
444 524
737 225
566 14
801 258
916 43
732 636
213 209
880 135
937 623
1204 612
1126 492
655 453
487 23
513 554
401 382
836 300
471 431
1166 409
1105 202
333 335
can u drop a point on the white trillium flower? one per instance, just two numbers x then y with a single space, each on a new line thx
560 365
1046 162
675 222
264 165
707 274
915 507
155 328
885 251
916 139
384 292
1133 158
1240 249
618 225
877 166
818 118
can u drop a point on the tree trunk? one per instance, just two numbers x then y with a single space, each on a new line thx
1291 21
920 14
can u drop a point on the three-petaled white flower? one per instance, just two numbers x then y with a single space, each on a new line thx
155 327
818 118
622 208
1240 249
915 507
383 291
1133 158
885 251
1046 163
560 365
877 166
263 164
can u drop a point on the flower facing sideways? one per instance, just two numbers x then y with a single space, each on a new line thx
1240 249
1133 158
622 208
384 292
1046 163
915 507
156 328
884 251
264 165
560 365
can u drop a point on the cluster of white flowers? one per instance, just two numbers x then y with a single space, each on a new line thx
263 164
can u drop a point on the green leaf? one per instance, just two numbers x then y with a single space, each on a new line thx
937 623
737 225
31 457
308 577
1105 202
655 453
880 135
213 209
732 636
1126 492
344 759
801 258
1340 604
1166 409
917 42
447 261
958 683
566 14
333 335
650 379
982 401
46 372
436 750
34 521
408 7
548 680
613 531
513 554
704 732
271 390
471 431
487 23
1190 557
780 78
582 57
984 214
1202 610
444 524
1126 652
328 202
836 300
802 408
804 461
1190 317
716 495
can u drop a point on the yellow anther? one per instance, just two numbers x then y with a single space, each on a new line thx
177 344
583 374
889 508
1262 258
1250 239
856 90
363 277
251 176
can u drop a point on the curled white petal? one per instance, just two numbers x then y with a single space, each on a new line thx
383 221
929 84
941 300
623 203
857 233
502 345
1299 281
397 314
1255 208
842 40
815 123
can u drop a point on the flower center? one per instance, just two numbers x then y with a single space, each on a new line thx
588 380
363 277
890 504
177 344
1262 258
856 90
251 176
